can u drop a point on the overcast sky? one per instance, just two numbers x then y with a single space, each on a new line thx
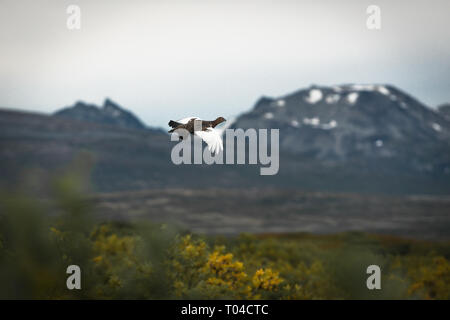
170 59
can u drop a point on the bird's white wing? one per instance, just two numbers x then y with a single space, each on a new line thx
186 120
213 139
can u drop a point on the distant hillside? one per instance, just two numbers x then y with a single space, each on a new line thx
110 113
355 138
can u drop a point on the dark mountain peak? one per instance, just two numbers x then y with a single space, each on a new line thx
109 104
110 113
262 101
81 105
113 109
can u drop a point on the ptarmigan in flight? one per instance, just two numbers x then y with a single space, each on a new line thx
209 134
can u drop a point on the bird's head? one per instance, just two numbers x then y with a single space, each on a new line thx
219 120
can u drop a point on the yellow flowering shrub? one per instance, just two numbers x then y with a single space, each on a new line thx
312 282
116 261
197 272
266 279
223 268
432 280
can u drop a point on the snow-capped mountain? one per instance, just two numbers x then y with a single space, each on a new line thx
354 122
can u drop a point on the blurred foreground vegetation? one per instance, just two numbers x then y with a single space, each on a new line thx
40 236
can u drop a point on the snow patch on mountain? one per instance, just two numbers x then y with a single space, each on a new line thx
436 127
294 123
327 126
352 97
311 121
383 90
281 103
363 87
315 95
268 115
315 122
332 98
